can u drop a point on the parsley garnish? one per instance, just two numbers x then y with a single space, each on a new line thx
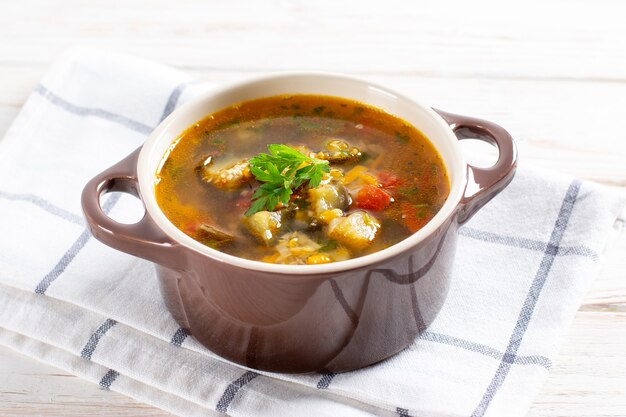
281 172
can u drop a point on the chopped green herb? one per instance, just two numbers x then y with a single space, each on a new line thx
328 245
217 141
259 128
302 203
307 124
281 171
358 110
318 110
227 123
402 138
370 154
408 191
365 156
177 171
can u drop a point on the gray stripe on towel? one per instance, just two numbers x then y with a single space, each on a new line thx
108 379
325 380
92 343
71 253
179 337
485 350
524 243
232 389
531 298
89 111
434 337
172 101
579 251
402 412
46 205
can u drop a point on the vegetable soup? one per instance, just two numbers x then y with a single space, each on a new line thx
301 179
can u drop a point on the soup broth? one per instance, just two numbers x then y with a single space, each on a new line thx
381 180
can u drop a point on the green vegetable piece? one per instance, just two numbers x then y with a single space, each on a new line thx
357 230
212 236
264 225
328 197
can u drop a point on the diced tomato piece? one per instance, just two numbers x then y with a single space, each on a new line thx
414 218
371 197
388 180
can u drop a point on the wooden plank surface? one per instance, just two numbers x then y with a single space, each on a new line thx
553 73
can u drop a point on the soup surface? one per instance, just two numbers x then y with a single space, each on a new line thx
301 179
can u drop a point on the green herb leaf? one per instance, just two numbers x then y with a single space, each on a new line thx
328 245
402 138
281 171
318 110
257 205
408 191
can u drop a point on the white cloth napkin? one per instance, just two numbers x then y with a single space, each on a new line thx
523 265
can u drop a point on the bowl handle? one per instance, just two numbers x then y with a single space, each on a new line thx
483 183
144 238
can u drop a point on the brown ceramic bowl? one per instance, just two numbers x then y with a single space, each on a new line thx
301 318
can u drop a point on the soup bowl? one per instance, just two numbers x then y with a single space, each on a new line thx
301 318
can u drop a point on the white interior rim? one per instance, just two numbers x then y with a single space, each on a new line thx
146 175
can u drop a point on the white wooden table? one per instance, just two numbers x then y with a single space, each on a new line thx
553 73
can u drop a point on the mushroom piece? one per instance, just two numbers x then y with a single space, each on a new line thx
339 152
212 236
230 177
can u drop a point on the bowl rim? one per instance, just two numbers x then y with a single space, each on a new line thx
147 191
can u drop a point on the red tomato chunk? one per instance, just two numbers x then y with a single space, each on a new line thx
372 198
388 180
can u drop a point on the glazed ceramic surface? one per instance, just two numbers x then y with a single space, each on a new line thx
302 318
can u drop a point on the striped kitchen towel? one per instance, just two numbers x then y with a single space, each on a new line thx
522 268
